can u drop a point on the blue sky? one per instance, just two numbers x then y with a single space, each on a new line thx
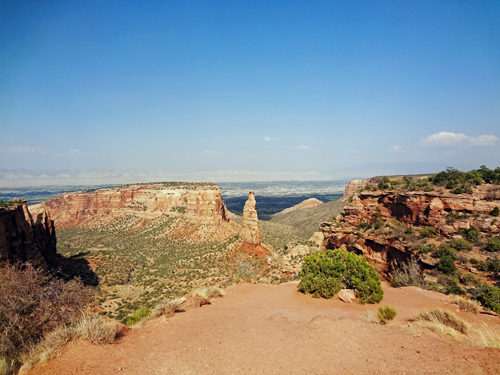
249 85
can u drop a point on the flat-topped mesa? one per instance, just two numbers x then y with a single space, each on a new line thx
250 224
201 203
24 239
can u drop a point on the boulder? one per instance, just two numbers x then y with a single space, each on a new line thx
347 295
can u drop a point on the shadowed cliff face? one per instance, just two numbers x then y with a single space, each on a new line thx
23 238
201 204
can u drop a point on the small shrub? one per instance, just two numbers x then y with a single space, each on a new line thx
465 304
493 244
495 211
210 292
245 271
445 250
427 232
325 274
92 328
473 261
472 234
447 265
444 317
32 304
457 191
166 309
489 297
386 314
452 287
460 244
426 249
136 316
408 274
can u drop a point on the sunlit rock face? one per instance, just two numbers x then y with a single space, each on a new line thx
23 238
448 213
201 203
250 224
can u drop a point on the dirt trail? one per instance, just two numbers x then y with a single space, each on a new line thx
267 329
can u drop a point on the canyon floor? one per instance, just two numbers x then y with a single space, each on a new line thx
273 329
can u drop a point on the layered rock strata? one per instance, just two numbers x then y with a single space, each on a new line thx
448 213
201 204
250 224
24 239
441 209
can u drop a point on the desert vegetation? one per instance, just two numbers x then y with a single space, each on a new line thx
40 313
324 275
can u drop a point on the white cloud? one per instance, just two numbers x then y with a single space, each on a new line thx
460 139
210 152
269 139
398 148
302 147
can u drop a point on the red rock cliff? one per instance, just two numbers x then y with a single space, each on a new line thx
202 203
434 208
24 239
446 212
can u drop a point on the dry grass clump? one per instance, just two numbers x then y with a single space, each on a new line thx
466 304
166 309
408 274
386 314
441 320
90 327
210 292
485 336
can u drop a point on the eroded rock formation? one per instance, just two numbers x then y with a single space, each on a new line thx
354 185
441 209
446 212
202 203
24 239
250 224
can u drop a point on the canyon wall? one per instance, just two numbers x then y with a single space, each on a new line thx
441 209
448 213
250 224
202 203
24 239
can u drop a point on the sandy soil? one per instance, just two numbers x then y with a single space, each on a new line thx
267 329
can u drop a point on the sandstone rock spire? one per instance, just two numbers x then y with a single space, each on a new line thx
250 225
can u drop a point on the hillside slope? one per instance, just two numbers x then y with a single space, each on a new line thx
306 221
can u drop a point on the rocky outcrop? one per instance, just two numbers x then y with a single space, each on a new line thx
354 185
24 239
250 224
441 209
201 203
383 252
308 203
446 212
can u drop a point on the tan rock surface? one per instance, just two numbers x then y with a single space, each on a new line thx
250 223
202 204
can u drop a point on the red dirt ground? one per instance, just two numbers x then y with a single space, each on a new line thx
268 329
